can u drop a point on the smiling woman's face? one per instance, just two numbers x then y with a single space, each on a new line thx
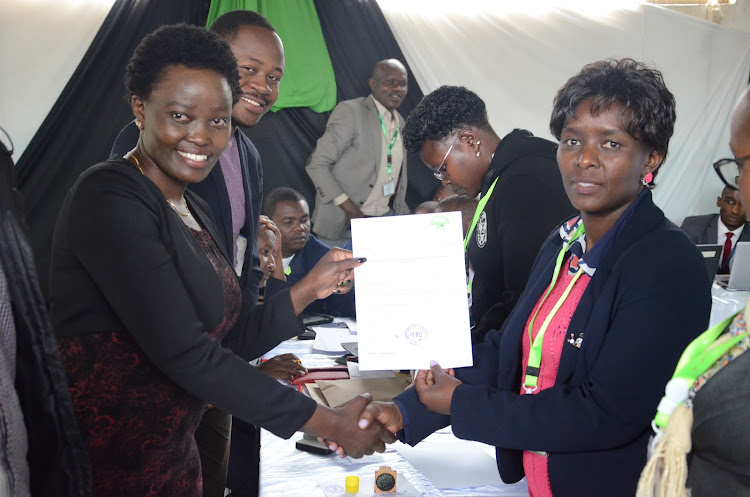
186 122
601 163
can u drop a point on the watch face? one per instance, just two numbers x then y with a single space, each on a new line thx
385 482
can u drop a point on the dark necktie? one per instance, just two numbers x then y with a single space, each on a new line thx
726 252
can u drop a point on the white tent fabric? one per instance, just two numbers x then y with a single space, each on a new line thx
516 58
41 44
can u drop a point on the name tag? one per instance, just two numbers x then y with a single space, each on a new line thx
389 188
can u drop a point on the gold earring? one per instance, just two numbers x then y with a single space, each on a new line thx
139 124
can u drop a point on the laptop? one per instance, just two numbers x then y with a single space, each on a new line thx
712 257
739 277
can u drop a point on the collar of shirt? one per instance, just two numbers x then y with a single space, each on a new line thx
388 116
723 230
288 260
588 261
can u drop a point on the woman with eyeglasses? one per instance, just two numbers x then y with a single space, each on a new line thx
567 389
702 440
522 198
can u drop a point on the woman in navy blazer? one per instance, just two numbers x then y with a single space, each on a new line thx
632 292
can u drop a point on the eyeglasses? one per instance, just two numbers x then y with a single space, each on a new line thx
729 170
441 168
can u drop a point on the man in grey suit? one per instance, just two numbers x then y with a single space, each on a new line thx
359 164
725 228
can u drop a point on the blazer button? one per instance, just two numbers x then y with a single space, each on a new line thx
372 186
361 203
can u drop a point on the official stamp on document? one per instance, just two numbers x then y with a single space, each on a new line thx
415 334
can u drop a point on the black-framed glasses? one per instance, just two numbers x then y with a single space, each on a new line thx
441 168
729 170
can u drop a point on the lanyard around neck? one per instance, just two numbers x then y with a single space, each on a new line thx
480 207
535 350
697 358
390 145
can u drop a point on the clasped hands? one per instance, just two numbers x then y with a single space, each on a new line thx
378 422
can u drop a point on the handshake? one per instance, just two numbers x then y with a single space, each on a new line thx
363 426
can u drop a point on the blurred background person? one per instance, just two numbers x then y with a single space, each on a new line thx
725 228
441 192
42 453
705 448
426 207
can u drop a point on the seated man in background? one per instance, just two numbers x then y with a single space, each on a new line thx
442 192
725 228
459 203
427 207
300 250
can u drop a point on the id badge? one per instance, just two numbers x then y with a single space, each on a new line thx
389 188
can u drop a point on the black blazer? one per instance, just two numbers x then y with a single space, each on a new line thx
705 229
650 296
122 260
213 190
528 201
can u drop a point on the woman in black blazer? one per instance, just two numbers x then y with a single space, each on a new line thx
142 295
570 407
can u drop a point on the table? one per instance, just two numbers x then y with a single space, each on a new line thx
288 471
284 470
725 302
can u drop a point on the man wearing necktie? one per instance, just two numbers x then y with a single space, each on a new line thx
359 165
725 228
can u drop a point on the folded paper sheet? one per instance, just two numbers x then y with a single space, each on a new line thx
411 293
337 392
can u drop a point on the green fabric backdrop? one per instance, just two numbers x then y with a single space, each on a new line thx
308 80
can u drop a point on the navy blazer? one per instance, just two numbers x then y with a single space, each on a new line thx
303 262
213 191
650 296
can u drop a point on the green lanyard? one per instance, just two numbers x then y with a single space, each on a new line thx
535 351
480 207
288 270
697 358
390 145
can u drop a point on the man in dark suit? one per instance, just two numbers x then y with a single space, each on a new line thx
233 190
301 250
359 164
725 228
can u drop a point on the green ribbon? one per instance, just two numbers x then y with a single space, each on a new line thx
390 145
480 208
535 351
697 358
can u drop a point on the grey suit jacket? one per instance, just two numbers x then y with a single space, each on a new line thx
346 160
704 229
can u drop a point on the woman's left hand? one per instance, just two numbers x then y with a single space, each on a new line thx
435 388
283 367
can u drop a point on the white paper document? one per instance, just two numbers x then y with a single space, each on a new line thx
411 293
328 338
